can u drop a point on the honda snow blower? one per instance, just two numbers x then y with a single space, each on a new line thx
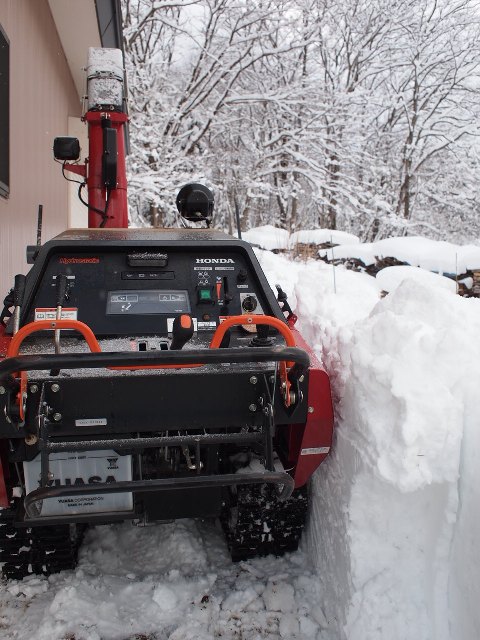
149 374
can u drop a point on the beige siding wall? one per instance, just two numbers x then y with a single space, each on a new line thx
42 97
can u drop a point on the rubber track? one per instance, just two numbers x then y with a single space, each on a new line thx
256 523
36 550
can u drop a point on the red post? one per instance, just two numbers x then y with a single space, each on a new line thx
97 194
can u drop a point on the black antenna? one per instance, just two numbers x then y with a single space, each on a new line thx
39 225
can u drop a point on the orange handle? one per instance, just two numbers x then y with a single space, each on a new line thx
51 325
251 319
87 333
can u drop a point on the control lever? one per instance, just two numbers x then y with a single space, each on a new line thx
182 331
62 294
18 293
262 339
282 299
227 296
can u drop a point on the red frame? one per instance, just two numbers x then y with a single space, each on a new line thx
317 432
97 193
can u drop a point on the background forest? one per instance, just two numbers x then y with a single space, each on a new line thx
360 115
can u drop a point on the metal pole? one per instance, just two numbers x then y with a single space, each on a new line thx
237 217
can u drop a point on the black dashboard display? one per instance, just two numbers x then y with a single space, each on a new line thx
143 302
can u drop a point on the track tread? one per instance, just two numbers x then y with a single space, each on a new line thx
256 523
36 550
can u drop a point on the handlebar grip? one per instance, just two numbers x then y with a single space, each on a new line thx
19 289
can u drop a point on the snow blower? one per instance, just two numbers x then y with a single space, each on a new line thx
149 374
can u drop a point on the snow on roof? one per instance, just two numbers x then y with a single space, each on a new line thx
390 278
267 237
443 257
320 236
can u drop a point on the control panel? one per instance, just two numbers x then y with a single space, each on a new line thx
123 289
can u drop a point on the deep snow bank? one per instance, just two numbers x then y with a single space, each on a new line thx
395 514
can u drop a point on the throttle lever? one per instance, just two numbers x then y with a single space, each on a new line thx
282 299
62 294
62 290
18 293
182 331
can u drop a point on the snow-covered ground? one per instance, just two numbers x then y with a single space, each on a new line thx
171 581
390 551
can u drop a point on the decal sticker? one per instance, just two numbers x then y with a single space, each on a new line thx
91 422
215 261
205 326
50 313
313 451
79 260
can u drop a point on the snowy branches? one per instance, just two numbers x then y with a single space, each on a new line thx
310 112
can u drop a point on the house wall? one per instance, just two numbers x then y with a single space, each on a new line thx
42 97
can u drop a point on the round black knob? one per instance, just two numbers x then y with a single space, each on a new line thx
249 303
242 275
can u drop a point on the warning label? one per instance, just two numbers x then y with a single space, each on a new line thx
68 313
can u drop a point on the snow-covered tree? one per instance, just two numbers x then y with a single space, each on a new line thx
359 114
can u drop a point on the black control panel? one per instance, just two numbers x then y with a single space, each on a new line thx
129 286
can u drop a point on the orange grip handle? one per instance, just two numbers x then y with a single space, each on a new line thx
51 325
87 333
251 319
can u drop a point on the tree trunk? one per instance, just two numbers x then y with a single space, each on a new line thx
155 216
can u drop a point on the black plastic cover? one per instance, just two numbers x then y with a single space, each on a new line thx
109 168
66 148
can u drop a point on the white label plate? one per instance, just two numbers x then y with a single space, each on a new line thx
91 422
68 313
314 451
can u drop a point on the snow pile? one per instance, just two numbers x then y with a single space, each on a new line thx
172 581
395 518
395 512
267 237
272 238
407 407
442 257
322 236
390 278
327 300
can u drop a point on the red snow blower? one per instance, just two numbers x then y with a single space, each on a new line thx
149 374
